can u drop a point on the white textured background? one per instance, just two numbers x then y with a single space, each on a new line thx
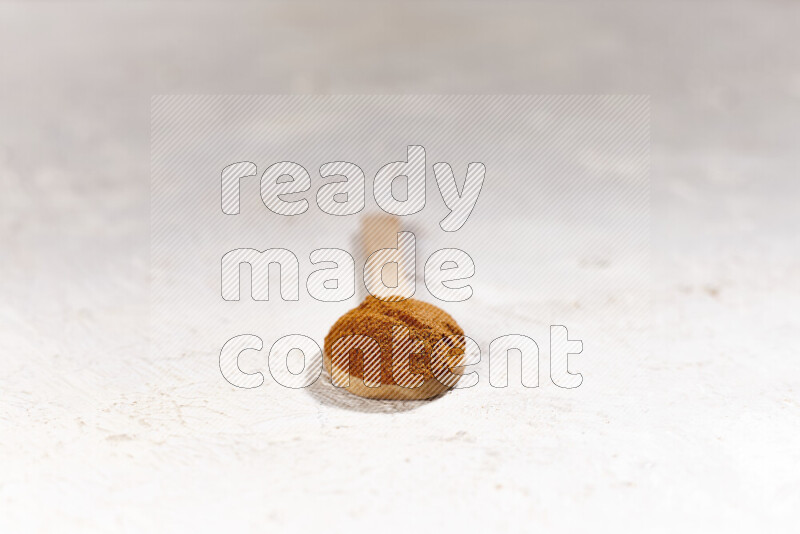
95 435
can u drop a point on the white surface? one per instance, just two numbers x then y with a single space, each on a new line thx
700 434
